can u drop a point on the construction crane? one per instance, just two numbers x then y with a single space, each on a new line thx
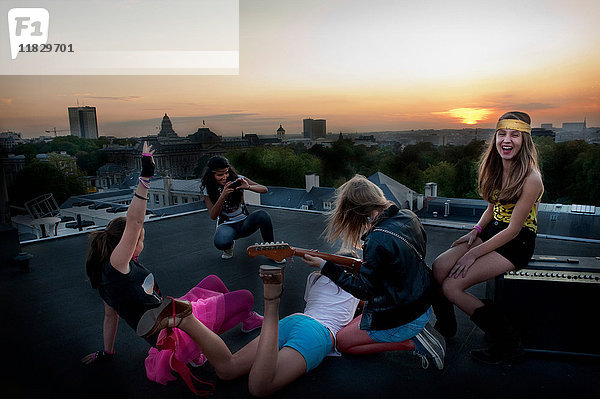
55 131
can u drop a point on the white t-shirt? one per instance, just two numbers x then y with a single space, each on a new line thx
329 304
232 213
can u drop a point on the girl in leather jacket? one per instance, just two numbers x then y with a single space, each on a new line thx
394 280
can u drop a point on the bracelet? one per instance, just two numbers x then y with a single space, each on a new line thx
478 228
140 197
145 183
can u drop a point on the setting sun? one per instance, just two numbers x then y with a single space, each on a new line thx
469 116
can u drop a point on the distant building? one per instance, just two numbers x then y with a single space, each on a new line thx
9 140
543 132
83 122
110 176
574 126
547 126
281 133
314 128
572 131
166 128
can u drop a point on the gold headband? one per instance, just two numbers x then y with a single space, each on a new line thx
514 124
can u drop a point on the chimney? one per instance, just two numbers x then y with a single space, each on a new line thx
168 184
312 180
430 189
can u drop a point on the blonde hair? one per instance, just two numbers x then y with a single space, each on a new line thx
354 202
490 168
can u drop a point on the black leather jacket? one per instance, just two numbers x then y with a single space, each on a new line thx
393 280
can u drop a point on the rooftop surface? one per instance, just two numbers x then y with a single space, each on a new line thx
53 318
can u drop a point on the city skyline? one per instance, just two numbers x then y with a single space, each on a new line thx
362 67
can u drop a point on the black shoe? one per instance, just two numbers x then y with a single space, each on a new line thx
505 344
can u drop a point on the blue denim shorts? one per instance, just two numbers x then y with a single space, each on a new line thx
401 333
307 336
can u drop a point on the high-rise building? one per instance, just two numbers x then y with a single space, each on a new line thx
83 122
306 128
314 128
318 130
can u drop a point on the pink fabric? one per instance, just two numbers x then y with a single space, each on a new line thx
208 307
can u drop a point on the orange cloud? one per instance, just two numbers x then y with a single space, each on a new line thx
469 116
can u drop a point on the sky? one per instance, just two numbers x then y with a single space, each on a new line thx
362 66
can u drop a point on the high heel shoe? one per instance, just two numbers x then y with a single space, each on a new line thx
168 314
272 275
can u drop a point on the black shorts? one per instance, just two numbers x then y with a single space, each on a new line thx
517 251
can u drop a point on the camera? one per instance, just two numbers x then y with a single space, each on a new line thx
236 183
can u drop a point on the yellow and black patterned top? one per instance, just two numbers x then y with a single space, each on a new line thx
503 212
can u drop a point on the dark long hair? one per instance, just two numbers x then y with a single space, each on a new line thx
490 168
102 244
212 187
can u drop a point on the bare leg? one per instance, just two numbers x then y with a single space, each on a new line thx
352 340
445 262
227 366
488 266
273 368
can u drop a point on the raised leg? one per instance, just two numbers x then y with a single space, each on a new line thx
273 368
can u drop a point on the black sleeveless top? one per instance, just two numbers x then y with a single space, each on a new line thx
129 294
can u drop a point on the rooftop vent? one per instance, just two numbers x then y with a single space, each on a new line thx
587 209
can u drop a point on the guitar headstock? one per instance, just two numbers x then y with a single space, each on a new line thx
273 250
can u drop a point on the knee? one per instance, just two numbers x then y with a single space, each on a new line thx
440 269
450 290
259 389
225 375
222 243
262 217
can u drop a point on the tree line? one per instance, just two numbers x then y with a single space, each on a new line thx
570 170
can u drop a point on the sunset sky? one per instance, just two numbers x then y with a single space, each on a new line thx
361 65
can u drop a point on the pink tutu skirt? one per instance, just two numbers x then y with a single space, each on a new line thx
208 307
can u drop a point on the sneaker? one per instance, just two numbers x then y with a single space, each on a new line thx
429 344
228 253
253 322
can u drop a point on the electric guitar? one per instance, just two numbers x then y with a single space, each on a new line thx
278 251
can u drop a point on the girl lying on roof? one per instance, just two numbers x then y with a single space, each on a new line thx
285 350
128 289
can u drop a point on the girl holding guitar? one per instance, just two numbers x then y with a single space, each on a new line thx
393 278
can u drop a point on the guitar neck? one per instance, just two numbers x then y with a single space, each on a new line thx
346 261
